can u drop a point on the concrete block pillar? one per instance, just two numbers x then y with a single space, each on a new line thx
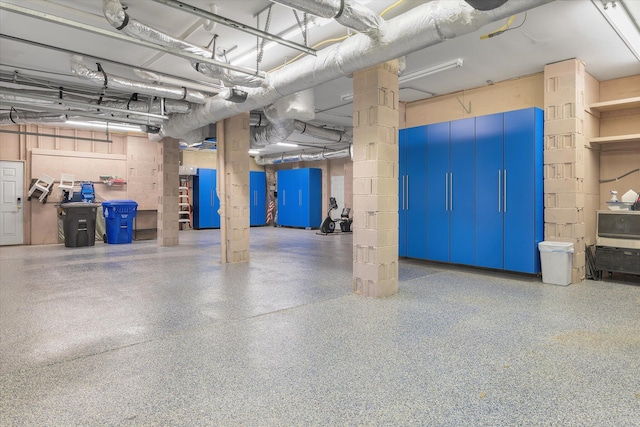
233 187
168 183
375 180
565 151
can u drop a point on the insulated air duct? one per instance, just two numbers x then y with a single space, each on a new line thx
345 12
109 81
486 4
423 26
302 157
15 117
120 20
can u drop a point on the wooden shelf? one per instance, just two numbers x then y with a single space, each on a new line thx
617 138
618 104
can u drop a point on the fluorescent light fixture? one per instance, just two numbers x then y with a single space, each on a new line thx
104 126
619 17
254 152
287 144
456 63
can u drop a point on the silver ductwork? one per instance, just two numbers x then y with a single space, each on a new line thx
120 20
345 12
15 117
302 157
170 106
111 81
423 26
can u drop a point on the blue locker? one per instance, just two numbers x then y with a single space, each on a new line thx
412 239
205 200
523 202
258 198
489 182
438 201
462 192
300 197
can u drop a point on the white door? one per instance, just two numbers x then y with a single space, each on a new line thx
11 202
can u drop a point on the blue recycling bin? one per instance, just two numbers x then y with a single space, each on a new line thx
118 220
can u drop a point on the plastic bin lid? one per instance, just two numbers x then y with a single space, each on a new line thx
119 203
555 247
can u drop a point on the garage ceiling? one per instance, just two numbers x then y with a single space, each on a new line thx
553 32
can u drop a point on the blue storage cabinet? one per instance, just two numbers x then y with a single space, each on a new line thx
258 198
205 200
300 197
484 191
412 237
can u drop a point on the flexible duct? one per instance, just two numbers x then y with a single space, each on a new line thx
15 117
302 157
423 26
110 81
345 12
120 20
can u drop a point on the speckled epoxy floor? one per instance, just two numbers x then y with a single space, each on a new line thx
143 335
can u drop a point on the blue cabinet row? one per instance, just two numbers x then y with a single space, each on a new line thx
300 197
471 191
206 202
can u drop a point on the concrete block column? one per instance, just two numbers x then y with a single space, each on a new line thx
565 150
168 183
233 187
375 180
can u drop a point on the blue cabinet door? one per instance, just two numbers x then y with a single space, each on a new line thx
258 197
489 192
300 197
438 192
416 193
462 192
522 179
205 200
402 196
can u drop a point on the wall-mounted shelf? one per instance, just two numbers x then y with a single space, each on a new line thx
617 104
617 138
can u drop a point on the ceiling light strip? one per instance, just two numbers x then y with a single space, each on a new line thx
122 37
237 25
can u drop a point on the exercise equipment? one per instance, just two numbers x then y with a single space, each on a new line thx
329 224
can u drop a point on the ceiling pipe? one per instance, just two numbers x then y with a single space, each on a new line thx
15 117
424 26
346 12
302 157
110 81
120 20
235 25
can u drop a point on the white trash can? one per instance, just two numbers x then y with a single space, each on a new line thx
557 260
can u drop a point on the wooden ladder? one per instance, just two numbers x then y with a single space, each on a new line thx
184 204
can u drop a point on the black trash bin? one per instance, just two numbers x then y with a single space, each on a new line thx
79 223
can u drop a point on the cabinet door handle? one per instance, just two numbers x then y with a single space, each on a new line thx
401 195
299 197
505 191
211 198
284 197
450 190
407 198
499 190
446 191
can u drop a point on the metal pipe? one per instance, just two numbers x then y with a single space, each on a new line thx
346 12
236 25
122 37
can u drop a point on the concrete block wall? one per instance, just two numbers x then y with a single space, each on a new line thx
565 152
168 183
375 181
234 166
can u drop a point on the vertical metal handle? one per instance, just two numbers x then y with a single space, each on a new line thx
499 190
446 191
284 197
451 191
402 198
211 197
407 198
505 191
299 197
